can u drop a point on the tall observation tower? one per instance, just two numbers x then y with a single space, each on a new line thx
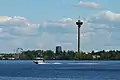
79 23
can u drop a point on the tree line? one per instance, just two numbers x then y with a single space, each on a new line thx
65 55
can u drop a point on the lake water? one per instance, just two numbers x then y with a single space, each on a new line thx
60 70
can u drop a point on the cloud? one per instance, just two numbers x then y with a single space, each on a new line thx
17 26
88 4
63 22
105 17
4 18
109 19
110 15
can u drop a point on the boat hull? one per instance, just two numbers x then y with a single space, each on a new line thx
38 61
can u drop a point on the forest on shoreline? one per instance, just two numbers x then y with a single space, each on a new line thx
64 55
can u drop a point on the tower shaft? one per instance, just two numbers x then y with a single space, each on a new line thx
78 39
78 23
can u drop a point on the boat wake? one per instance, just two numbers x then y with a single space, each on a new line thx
50 63
34 78
72 63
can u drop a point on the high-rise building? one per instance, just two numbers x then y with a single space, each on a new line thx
58 49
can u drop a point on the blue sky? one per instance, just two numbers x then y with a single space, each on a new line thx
43 24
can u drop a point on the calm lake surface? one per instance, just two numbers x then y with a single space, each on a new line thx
60 70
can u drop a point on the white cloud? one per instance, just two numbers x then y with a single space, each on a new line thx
105 17
63 22
4 18
109 19
110 15
18 26
88 4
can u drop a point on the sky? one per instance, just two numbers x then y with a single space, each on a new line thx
44 24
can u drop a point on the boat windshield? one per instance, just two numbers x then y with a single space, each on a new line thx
39 58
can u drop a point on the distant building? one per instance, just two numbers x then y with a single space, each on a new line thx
11 58
96 56
58 49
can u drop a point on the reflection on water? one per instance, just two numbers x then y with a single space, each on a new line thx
60 70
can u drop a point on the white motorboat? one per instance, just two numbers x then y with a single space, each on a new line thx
39 60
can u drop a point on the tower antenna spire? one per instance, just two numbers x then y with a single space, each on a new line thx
79 17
